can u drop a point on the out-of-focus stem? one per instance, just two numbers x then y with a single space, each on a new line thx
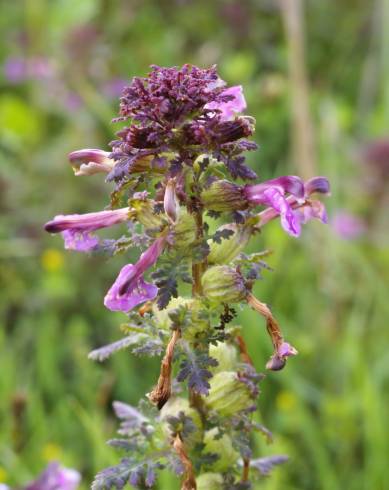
301 125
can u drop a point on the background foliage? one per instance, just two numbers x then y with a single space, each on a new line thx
328 409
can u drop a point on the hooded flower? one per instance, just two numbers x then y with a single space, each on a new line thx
272 193
76 228
130 289
231 107
91 161
298 208
56 477
223 195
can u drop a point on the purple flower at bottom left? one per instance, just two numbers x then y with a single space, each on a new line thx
56 477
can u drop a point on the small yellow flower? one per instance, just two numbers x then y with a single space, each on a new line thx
286 401
51 452
52 260
3 475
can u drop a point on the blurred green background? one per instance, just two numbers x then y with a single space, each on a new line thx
321 110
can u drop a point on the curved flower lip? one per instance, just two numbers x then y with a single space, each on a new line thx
287 184
317 184
140 292
230 108
129 288
90 161
87 222
148 258
311 209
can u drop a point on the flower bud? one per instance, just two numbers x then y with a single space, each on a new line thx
223 284
209 481
228 248
184 229
223 196
228 394
226 356
170 201
91 161
172 408
222 446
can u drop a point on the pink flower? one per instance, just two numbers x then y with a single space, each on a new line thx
298 208
347 225
272 193
56 477
129 288
76 228
230 108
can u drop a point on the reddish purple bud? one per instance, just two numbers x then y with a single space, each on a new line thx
231 107
170 201
278 359
91 161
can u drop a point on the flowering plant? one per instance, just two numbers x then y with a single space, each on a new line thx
174 167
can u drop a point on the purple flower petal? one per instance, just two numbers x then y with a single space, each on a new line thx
287 184
82 241
310 210
286 350
317 184
273 198
232 107
140 291
88 221
56 477
146 260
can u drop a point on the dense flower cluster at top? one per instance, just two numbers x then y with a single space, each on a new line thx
176 115
174 168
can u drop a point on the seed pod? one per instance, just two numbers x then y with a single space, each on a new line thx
184 229
209 481
223 196
226 356
172 408
198 323
223 284
228 248
228 395
222 446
